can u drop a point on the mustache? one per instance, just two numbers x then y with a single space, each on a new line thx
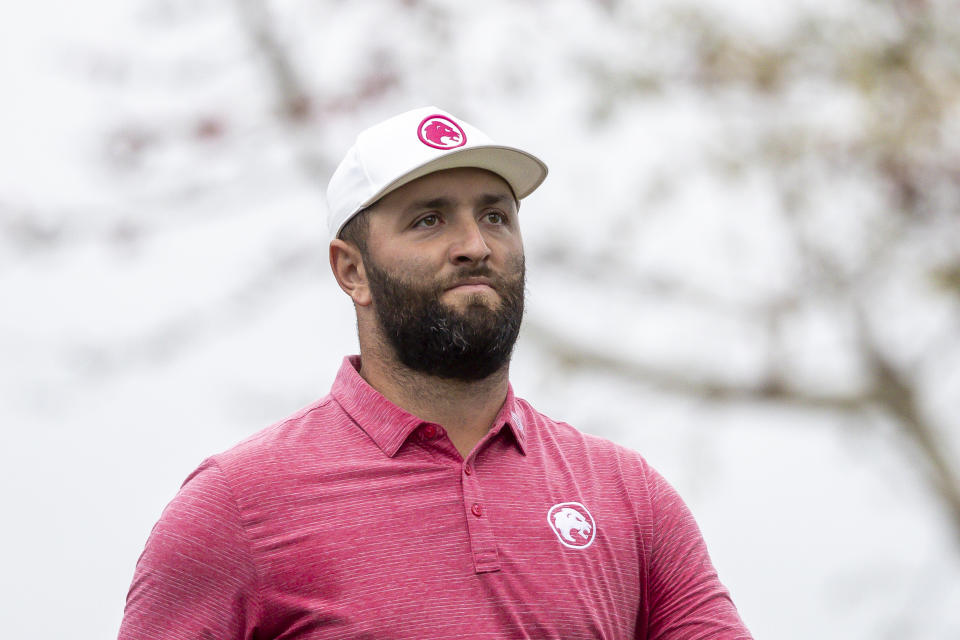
470 272
497 280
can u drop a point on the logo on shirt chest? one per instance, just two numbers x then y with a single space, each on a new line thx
573 524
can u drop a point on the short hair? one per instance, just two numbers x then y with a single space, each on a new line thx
357 230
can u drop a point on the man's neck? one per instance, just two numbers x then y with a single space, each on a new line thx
466 410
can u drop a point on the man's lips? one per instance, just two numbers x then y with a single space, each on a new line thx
472 284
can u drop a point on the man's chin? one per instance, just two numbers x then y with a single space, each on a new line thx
474 303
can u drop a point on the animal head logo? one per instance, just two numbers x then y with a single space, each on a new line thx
573 524
440 132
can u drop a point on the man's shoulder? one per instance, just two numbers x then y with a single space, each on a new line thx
566 437
283 442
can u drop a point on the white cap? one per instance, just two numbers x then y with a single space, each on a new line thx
394 152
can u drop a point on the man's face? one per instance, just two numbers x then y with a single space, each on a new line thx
445 267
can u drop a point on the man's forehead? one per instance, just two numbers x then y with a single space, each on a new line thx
452 185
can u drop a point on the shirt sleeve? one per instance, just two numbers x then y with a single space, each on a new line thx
196 578
686 600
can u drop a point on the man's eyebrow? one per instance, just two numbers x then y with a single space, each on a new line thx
488 199
431 203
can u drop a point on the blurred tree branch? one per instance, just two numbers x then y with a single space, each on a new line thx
295 101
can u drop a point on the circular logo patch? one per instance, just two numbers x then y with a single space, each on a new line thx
440 132
573 524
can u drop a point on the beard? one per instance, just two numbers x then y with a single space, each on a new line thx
431 337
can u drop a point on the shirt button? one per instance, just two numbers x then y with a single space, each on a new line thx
430 431
476 509
468 469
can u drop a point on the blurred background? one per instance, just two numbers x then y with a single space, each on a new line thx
745 264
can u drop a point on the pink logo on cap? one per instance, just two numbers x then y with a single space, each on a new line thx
440 132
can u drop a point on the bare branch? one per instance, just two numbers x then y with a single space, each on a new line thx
606 264
770 389
294 99
898 396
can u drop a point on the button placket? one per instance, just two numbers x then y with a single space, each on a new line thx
483 545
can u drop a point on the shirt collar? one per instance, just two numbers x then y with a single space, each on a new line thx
511 417
388 425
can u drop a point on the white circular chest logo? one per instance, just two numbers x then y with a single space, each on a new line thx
573 524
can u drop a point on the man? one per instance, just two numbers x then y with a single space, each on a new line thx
421 498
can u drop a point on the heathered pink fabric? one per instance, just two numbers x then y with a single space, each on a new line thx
355 519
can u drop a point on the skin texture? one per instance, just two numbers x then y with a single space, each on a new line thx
436 230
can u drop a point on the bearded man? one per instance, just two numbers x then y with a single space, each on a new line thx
421 498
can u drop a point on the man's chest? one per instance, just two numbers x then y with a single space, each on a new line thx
431 550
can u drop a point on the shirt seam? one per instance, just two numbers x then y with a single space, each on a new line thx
315 407
647 548
299 415
258 599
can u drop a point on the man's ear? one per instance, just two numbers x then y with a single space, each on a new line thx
346 262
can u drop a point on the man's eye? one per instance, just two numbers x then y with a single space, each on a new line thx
431 220
495 217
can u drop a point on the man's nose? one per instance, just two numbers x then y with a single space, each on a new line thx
470 245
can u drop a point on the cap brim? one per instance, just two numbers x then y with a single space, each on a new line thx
524 172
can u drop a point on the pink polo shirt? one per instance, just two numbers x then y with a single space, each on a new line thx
356 519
